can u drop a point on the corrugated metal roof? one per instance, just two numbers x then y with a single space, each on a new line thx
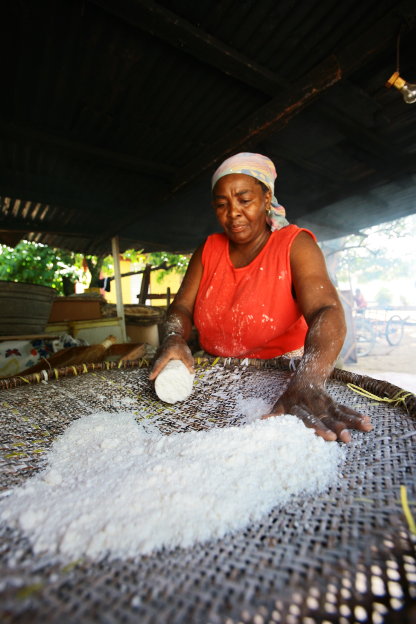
116 111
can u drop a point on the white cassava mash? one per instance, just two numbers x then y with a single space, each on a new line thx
113 489
174 382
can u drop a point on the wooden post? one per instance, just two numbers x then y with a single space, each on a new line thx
144 289
117 279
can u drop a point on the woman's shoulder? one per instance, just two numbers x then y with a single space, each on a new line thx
215 246
215 242
290 232
217 239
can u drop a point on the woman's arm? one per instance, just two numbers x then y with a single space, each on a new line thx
318 300
178 324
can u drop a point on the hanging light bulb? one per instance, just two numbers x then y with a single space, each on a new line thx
407 89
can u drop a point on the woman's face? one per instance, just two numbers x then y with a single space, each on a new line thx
240 204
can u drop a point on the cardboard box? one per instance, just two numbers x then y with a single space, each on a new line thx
93 332
75 309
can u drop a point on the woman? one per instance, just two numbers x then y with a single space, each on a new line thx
261 290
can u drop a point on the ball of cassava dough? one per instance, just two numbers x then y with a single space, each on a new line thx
174 382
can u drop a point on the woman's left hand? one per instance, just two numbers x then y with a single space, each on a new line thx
317 410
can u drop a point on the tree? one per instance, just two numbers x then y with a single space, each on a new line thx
95 265
177 263
168 262
35 263
373 253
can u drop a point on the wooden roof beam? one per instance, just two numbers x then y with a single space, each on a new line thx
23 226
379 151
178 32
269 118
276 114
166 25
28 187
83 151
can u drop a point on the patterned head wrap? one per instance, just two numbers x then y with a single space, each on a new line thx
261 168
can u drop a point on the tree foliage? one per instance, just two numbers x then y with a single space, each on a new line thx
35 263
176 263
373 253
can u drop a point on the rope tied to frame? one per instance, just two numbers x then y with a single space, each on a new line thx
399 398
406 510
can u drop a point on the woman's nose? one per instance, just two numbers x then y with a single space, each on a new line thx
233 208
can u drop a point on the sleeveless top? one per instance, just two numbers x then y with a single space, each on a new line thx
249 312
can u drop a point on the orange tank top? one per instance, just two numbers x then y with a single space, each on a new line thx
249 312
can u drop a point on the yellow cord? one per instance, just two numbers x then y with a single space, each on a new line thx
399 397
406 510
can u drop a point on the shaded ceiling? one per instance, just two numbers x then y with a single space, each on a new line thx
114 114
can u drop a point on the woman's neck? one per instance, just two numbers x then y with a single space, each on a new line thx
241 254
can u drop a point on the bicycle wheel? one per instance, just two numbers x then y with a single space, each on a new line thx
394 330
365 337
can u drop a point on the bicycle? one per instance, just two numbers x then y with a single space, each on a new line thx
367 331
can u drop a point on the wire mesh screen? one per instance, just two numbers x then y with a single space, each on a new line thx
345 556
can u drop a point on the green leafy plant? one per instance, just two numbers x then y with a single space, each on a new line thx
34 263
169 262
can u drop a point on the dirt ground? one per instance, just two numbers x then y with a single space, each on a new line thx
394 364
400 359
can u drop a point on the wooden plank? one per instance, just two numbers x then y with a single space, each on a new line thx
126 351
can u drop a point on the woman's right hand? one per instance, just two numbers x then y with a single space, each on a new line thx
179 318
174 347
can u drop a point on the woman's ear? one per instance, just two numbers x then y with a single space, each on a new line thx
268 200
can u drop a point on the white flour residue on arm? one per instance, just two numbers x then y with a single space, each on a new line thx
114 489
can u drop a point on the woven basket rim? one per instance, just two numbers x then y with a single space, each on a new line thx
382 389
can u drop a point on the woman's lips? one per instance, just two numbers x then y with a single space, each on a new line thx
237 228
